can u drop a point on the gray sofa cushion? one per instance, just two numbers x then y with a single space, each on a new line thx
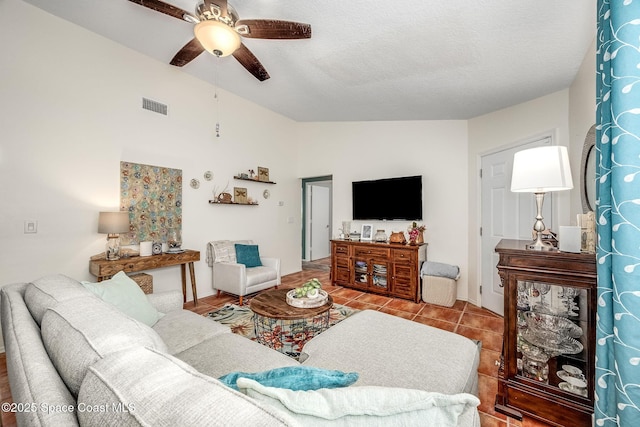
166 301
385 351
32 376
79 332
48 291
226 353
155 389
182 329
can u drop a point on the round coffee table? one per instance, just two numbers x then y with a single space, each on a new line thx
283 327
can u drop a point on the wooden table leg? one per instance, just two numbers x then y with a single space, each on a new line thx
193 284
183 273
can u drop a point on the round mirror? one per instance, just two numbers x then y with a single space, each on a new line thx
588 172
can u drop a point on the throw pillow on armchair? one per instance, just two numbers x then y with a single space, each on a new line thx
249 255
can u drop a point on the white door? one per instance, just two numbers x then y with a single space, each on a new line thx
319 221
505 215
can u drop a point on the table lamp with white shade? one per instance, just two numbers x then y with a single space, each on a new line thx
540 170
112 224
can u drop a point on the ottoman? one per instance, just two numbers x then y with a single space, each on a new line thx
439 290
390 351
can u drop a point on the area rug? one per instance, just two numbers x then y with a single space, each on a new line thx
240 319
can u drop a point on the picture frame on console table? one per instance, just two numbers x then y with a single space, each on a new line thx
366 233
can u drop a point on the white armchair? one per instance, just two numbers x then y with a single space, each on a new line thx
237 279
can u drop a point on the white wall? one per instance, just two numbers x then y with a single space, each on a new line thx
71 112
70 104
569 113
437 150
502 128
582 115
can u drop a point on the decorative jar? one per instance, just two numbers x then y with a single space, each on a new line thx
380 236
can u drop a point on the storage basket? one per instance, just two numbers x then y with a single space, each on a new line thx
439 290
145 281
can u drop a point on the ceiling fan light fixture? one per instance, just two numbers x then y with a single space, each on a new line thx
217 38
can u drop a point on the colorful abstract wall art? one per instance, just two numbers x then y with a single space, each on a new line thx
153 197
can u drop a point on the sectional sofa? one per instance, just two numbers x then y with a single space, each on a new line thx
75 359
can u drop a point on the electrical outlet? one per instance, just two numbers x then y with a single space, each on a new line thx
30 226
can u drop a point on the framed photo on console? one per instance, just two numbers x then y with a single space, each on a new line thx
366 232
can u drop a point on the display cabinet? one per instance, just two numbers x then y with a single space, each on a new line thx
382 268
547 365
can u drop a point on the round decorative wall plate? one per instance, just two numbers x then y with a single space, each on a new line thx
195 183
266 194
208 175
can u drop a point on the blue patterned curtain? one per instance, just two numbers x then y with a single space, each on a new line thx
618 214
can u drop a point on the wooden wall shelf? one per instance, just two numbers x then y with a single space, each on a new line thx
215 202
253 180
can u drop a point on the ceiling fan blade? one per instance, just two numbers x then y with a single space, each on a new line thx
188 53
273 29
251 63
167 9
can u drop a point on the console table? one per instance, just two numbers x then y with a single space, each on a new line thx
384 268
104 269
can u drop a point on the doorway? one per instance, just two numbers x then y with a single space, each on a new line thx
504 215
317 197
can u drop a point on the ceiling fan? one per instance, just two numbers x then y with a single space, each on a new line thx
218 29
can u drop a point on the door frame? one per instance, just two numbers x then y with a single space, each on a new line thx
305 209
551 133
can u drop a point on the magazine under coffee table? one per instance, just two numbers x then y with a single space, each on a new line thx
283 327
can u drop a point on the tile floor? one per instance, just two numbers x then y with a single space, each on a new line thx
463 318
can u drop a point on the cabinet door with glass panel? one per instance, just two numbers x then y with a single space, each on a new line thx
552 340
371 268
371 273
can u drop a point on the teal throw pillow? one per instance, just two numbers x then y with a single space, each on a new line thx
295 378
248 255
125 294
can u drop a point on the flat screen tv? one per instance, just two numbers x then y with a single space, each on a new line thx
388 199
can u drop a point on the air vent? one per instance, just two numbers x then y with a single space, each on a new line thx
155 106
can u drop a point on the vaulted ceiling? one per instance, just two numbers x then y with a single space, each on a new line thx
373 60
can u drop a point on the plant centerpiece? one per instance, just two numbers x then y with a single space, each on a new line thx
309 295
416 235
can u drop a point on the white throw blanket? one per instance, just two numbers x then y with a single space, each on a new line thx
367 406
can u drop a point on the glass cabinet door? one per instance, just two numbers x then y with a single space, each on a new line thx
552 336
379 275
371 273
361 270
